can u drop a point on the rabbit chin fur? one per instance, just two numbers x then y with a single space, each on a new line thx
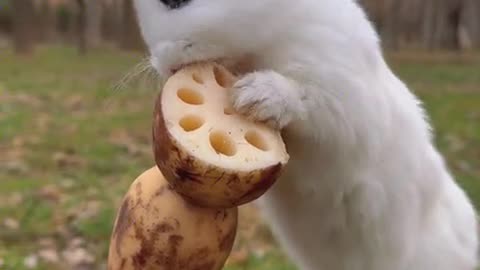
365 188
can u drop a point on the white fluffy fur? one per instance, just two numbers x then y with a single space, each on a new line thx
365 188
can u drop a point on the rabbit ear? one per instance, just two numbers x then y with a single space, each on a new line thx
174 4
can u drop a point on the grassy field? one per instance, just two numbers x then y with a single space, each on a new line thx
70 146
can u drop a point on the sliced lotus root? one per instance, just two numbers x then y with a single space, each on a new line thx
207 152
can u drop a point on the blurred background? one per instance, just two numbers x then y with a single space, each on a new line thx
75 115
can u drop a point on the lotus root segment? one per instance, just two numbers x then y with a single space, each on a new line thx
156 228
210 154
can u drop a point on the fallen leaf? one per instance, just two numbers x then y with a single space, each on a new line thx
27 99
76 242
253 235
237 257
18 142
92 192
88 210
15 198
63 231
464 166
75 103
34 139
130 144
31 261
11 223
12 153
248 221
455 144
68 159
43 121
67 183
50 193
49 255
47 242
84 267
15 166
261 250
77 256
70 128
473 115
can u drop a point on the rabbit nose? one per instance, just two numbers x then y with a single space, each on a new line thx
174 4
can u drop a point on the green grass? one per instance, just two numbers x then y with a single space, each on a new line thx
70 145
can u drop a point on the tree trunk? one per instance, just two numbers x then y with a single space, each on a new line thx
110 20
431 24
469 32
93 30
376 10
441 24
399 21
47 21
82 26
131 38
23 26
67 21
6 18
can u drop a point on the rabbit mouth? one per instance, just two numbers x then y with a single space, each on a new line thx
180 66
236 65
240 65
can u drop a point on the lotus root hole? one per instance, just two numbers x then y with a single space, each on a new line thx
197 78
221 77
191 123
256 139
190 96
228 111
222 143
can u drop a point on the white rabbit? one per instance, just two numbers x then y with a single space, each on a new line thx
365 188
